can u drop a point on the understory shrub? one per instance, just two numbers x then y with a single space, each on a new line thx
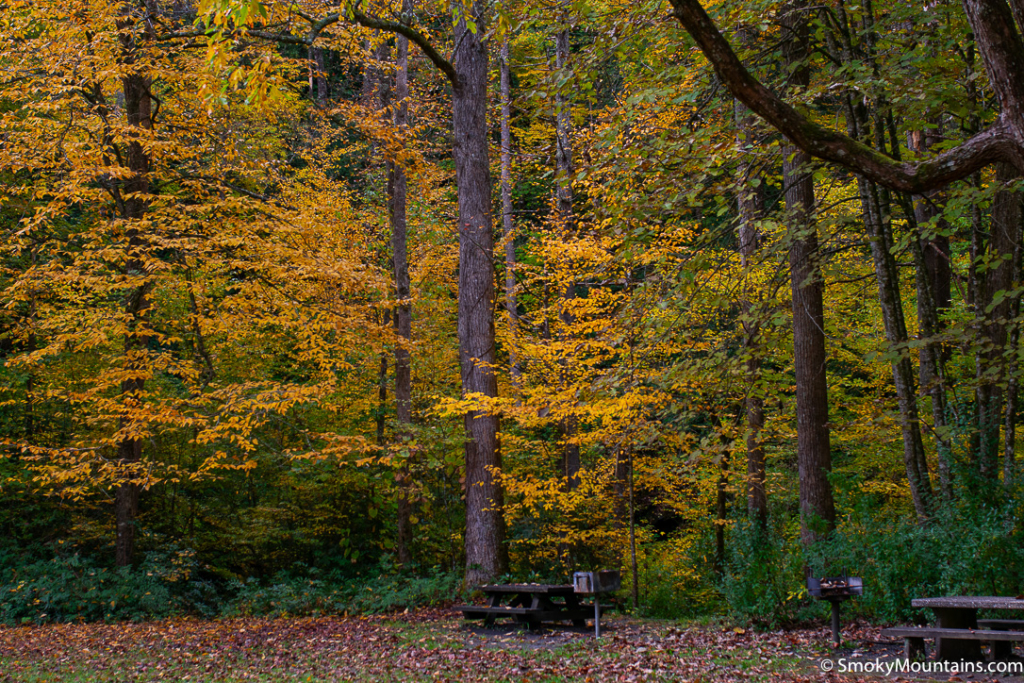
964 550
760 579
968 547
306 593
75 589
66 589
674 580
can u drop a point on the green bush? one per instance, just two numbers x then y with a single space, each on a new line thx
676 580
971 546
303 592
74 589
965 550
761 577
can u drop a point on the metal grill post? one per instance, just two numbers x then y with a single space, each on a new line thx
835 623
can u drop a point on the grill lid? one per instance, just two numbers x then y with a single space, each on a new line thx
835 586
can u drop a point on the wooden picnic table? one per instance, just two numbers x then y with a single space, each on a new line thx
959 633
529 603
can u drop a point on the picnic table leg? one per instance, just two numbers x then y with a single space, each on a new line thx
495 601
950 650
914 650
572 603
1001 650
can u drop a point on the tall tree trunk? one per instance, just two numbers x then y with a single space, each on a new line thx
511 306
398 191
751 209
877 225
1012 396
934 297
1012 359
30 380
814 454
721 512
382 388
994 308
376 77
318 89
134 204
932 368
566 221
877 222
486 553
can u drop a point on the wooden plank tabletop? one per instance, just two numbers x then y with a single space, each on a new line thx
541 588
970 602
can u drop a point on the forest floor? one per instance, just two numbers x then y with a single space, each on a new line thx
433 645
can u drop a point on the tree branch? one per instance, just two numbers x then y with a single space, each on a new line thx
996 143
415 36
318 25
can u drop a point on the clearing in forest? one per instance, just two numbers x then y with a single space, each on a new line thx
425 645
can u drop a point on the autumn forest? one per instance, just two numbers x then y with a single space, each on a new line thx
313 308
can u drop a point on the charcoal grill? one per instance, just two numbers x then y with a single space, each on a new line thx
595 583
835 589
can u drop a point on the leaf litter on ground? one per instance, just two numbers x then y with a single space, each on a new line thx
421 645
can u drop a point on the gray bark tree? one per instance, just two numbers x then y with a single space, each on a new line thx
486 553
814 452
398 200
751 210
565 219
508 234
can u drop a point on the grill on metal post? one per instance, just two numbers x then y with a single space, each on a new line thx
595 583
835 589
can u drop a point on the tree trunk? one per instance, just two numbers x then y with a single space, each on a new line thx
877 223
486 553
382 388
134 205
398 192
994 309
751 209
814 454
318 90
934 297
721 512
566 222
932 368
506 208
1012 362
878 227
896 334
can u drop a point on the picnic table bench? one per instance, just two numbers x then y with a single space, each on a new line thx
959 633
529 604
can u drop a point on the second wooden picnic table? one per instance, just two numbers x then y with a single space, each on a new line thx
529 603
959 633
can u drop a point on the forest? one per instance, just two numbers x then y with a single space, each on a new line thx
313 308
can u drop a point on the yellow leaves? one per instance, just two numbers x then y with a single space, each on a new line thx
473 402
340 448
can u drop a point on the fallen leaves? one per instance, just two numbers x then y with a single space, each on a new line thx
422 645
